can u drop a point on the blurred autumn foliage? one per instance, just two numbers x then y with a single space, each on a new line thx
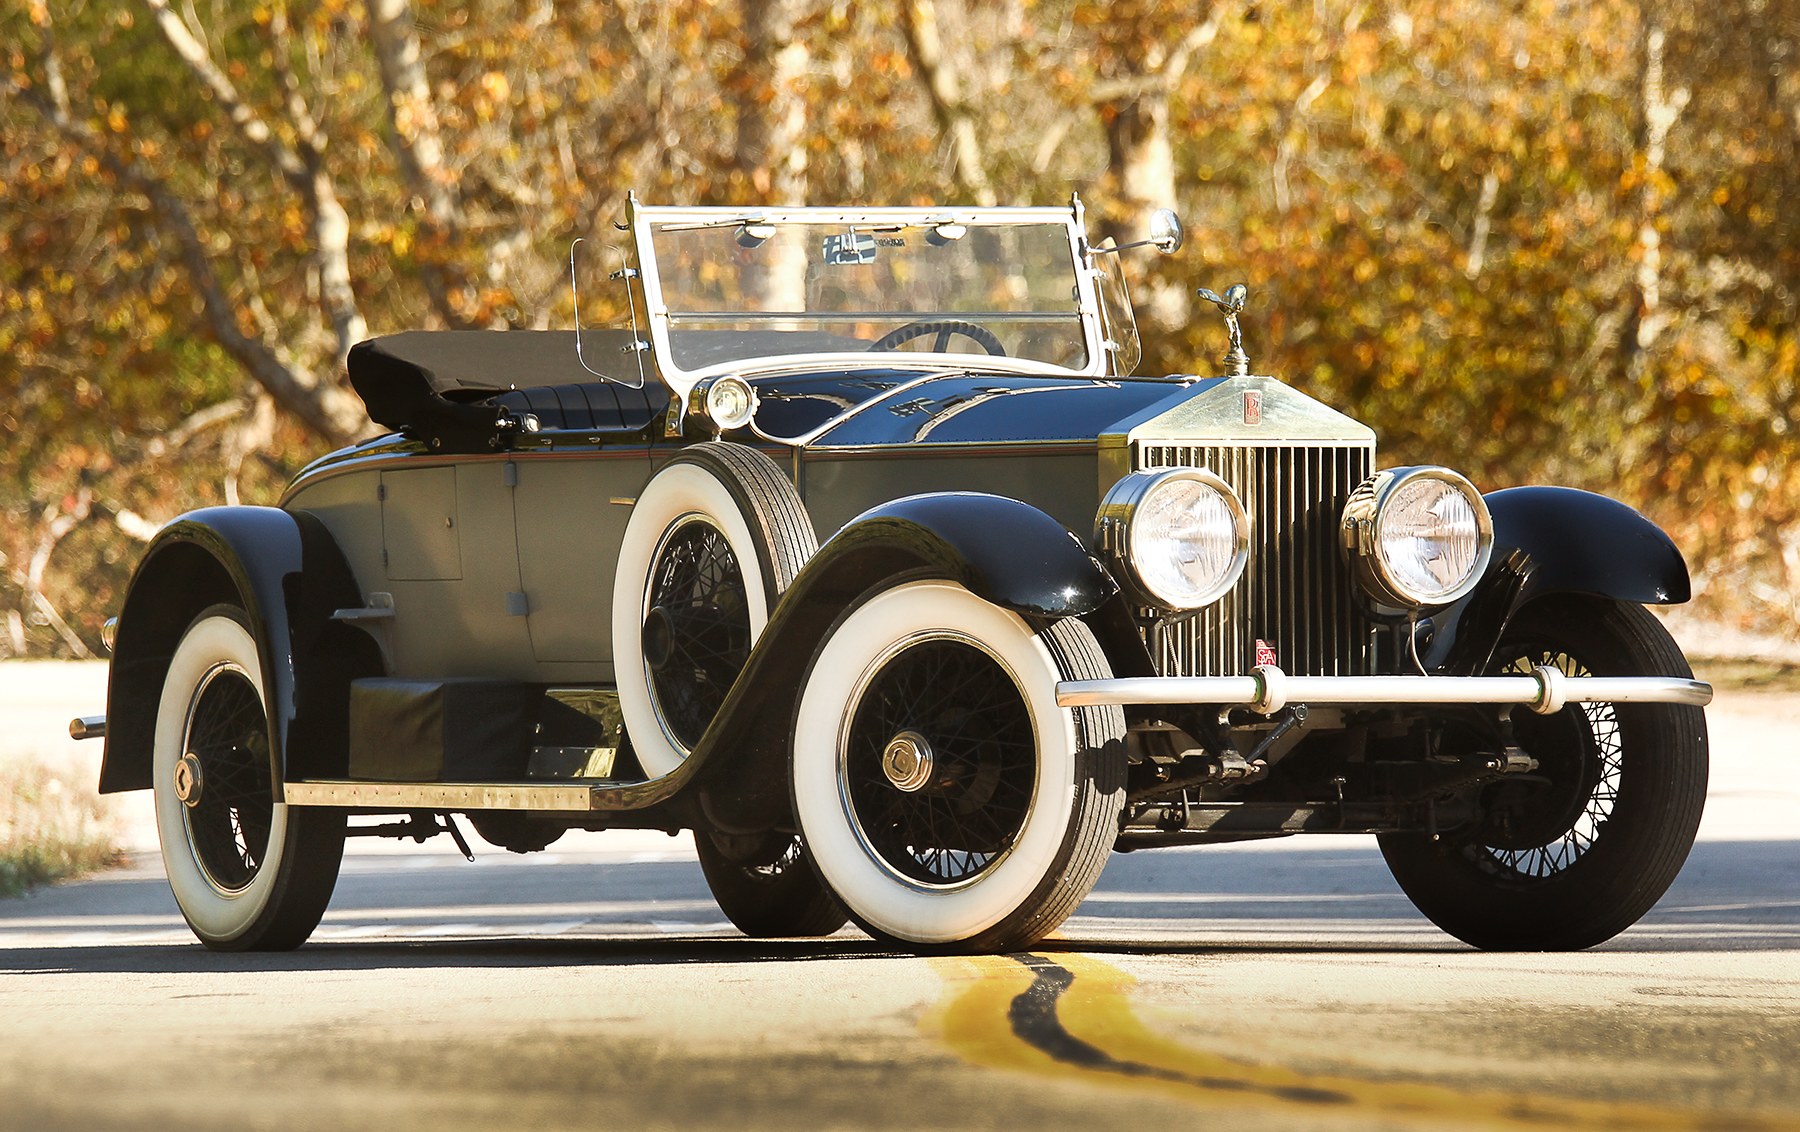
1539 240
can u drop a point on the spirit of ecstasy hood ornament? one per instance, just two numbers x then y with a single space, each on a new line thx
1236 362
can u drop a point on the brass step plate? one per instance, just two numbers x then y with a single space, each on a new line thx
565 797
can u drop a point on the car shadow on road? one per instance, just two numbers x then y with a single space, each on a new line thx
1730 896
451 954
1319 898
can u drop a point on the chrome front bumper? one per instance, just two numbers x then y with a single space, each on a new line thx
1268 689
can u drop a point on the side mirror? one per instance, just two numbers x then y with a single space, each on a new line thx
1166 233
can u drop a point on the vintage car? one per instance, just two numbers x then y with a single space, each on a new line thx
862 553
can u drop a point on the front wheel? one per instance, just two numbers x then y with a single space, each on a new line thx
249 873
946 798
1577 851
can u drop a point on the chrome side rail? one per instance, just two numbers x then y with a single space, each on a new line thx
1268 689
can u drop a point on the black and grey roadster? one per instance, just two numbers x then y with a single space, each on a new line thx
862 553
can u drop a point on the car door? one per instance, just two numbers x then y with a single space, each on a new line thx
569 517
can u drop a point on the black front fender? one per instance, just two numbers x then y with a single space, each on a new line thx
1000 549
1579 542
286 573
1556 540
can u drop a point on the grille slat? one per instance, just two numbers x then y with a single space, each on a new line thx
1296 592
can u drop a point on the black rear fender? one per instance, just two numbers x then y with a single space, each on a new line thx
1556 540
1000 549
286 573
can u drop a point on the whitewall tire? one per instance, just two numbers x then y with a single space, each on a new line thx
247 872
945 797
713 539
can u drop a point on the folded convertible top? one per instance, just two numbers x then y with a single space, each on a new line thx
445 387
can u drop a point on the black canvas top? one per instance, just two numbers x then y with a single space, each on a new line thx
439 386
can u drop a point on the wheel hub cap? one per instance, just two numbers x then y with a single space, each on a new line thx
659 639
908 761
188 780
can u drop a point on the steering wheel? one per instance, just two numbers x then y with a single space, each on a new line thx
943 328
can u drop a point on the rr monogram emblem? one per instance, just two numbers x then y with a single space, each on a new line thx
1253 407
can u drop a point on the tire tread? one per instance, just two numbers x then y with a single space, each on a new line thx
1094 825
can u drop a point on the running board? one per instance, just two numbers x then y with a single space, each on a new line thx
562 797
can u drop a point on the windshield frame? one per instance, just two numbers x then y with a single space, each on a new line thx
643 219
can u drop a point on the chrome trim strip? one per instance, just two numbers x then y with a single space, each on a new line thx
1268 689
561 796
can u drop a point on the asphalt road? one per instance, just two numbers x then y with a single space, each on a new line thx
1274 985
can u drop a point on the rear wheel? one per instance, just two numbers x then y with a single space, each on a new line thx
766 886
946 797
248 872
1576 852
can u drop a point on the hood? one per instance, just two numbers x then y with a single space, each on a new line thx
891 407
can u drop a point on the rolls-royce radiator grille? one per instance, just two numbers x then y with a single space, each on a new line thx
1296 593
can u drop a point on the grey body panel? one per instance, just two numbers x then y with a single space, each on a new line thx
569 528
499 567
838 486
418 524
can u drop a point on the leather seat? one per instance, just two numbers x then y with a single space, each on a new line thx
588 404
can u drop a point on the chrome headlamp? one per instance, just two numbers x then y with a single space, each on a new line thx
1177 537
727 402
1418 537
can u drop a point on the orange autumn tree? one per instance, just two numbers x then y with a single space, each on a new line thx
1536 241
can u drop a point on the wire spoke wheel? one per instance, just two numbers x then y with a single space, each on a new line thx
945 797
697 631
230 816
1577 850
766 886
248 873
1538 828
956 704
714 539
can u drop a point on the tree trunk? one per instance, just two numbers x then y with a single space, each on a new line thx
1658 110
419 149
771 140
955 117
772 120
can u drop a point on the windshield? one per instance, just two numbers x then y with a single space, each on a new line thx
737 288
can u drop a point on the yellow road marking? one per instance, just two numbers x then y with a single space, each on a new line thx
1024 1013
